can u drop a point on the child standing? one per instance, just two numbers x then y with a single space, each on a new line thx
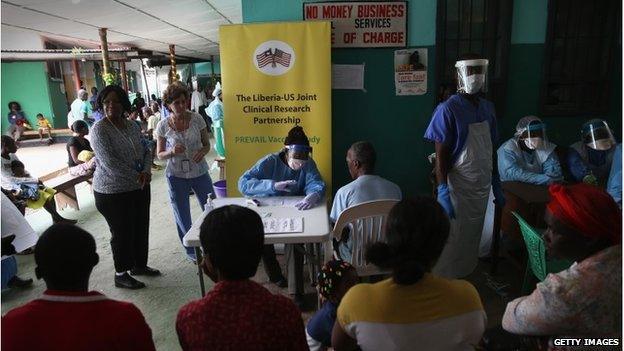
334 280
44 126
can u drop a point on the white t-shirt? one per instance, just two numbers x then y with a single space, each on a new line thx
182 165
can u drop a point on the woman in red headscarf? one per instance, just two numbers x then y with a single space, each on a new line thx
584 226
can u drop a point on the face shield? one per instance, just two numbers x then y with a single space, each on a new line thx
531 131
472 76
297 156
597 135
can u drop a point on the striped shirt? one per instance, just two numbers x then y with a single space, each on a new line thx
435 314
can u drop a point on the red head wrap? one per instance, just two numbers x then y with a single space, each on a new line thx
588 209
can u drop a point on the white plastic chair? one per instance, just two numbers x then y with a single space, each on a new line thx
367 224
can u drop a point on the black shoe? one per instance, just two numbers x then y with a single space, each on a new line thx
281 282
125 281
299 301
17 282
150 272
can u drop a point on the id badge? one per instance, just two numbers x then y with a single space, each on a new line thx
138 165
185 165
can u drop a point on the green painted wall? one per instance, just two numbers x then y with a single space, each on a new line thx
58 102
205 68
525 77
27 83
396 124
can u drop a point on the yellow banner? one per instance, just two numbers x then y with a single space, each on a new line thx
275 76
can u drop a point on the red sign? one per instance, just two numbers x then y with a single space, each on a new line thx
362 24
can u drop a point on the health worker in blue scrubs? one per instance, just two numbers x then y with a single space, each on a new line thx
290 172
463 129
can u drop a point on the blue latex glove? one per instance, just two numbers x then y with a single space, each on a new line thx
308 202
497 189
283 185
444 198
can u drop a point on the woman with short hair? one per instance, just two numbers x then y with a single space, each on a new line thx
182 140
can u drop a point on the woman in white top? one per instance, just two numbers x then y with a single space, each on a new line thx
182 139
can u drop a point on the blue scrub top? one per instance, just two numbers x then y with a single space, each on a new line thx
614 185
450 121
260 179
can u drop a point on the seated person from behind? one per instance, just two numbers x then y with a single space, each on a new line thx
366 186
290 172
584 226
334 280
590 158
237 314
68 316
529 157
44 126
413 308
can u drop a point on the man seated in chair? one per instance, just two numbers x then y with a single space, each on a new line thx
366 186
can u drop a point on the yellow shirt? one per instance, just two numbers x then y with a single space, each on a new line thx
44 123
435 314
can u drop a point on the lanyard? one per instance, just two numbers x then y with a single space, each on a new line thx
128 140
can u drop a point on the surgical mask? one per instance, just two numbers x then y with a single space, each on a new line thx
534 143
474 83
296 164
601 144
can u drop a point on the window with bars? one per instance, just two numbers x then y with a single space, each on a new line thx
581 43
474 26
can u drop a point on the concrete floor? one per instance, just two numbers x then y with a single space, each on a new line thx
164 295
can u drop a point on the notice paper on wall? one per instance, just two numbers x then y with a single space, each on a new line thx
348 77
282 225
410 71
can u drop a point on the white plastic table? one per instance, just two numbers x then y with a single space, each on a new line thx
315 228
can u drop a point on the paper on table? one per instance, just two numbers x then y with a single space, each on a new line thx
282 225
272 201
348 77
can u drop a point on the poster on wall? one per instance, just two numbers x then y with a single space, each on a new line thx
362 24
275 76
410 71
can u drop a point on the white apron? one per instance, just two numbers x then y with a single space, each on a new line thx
469 183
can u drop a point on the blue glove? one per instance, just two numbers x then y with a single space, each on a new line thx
444 198
283 185
308 202
497 189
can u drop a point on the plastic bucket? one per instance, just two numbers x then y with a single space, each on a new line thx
220 188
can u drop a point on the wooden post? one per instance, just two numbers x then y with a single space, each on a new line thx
124 77
212 66
104 45
76 70
173 71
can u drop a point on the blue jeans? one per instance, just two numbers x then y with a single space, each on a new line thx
179 189
9 270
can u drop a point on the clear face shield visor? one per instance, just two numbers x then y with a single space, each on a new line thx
597 135
534 136
297 155
472 76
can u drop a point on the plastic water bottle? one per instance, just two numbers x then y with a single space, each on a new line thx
209 204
